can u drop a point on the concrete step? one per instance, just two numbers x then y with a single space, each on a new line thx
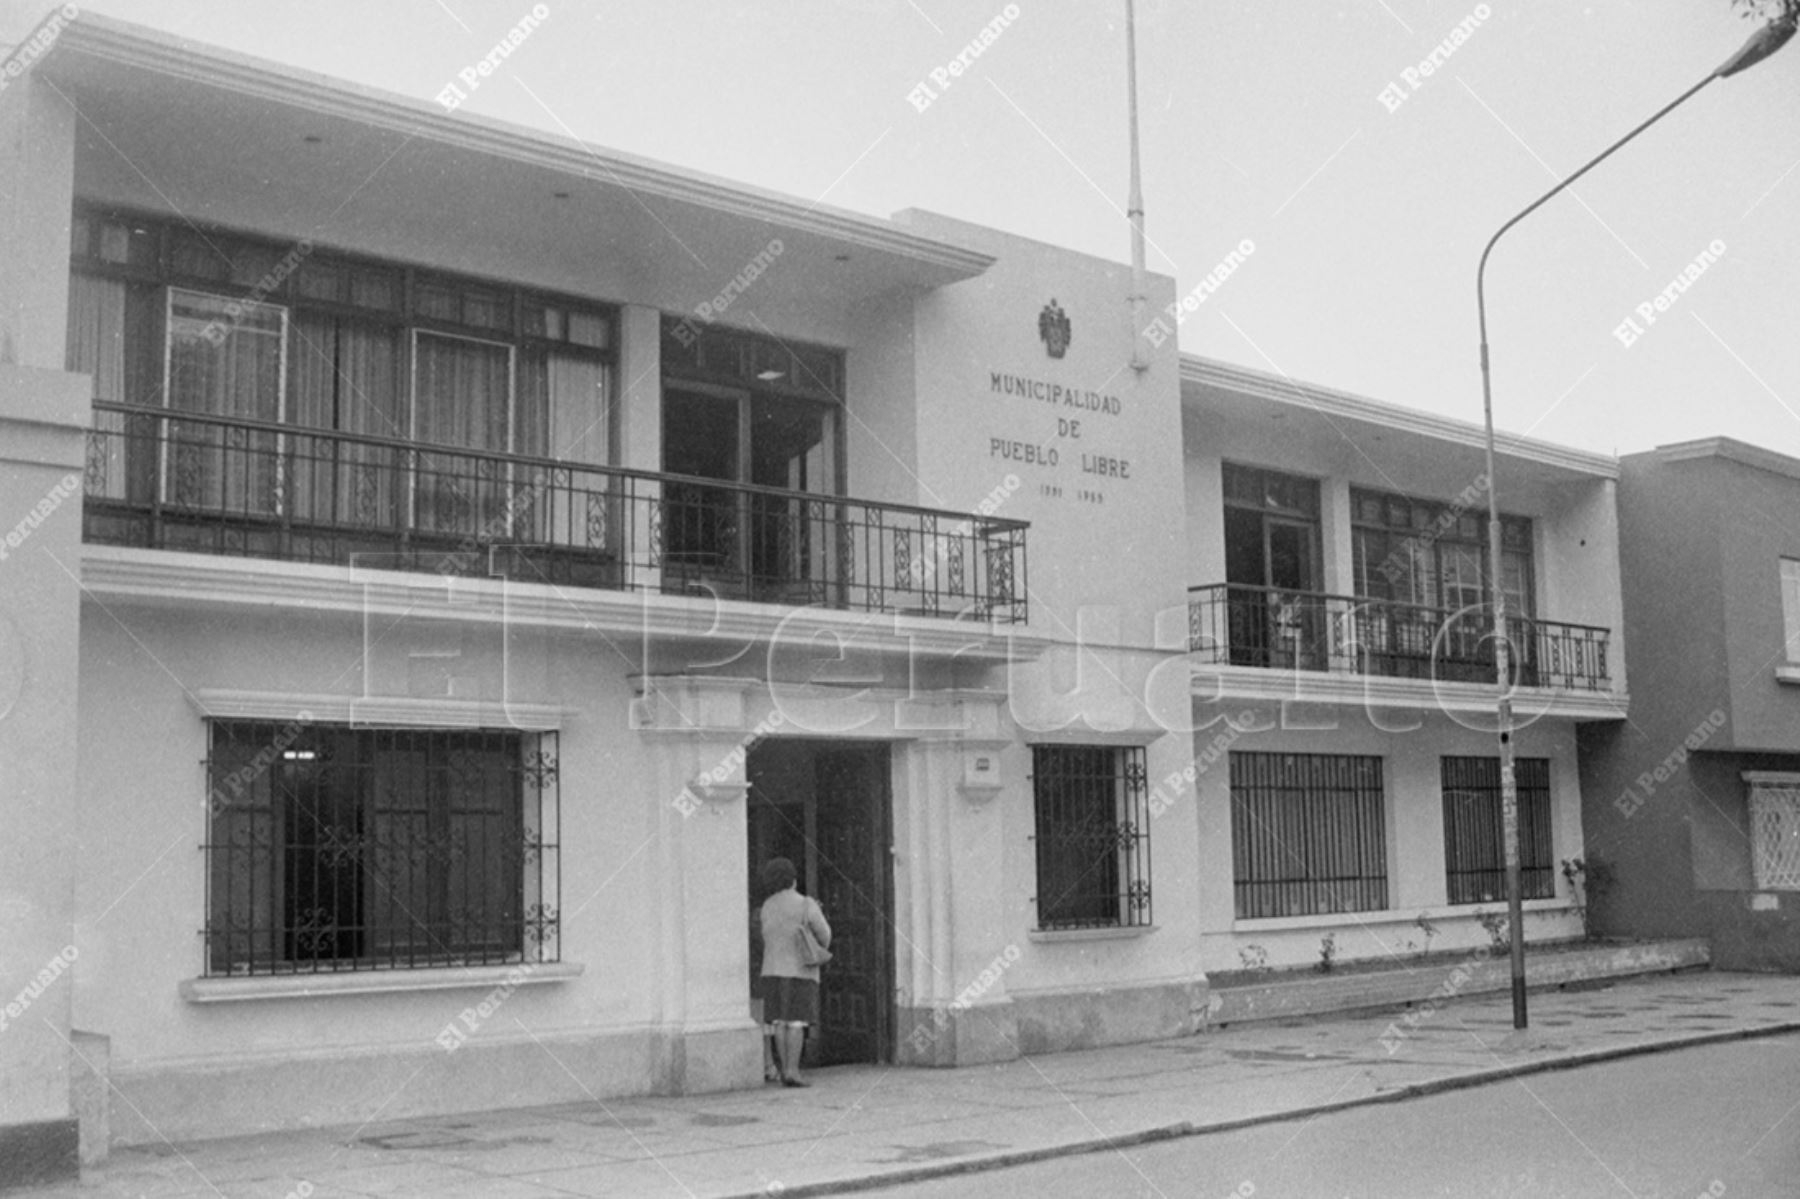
1289 994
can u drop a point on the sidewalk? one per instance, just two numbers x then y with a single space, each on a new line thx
858 1125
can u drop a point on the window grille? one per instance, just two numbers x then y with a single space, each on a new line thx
1475 835
1775 833
1308 834
331 848
1093 836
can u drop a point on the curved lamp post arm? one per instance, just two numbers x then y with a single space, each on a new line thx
1764 42
1481 270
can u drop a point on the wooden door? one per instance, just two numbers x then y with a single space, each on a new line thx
854 881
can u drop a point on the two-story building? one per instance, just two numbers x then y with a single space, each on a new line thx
491 548
1344 689
1694 804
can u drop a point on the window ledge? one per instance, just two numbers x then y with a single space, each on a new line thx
1090 934
1394 916
375 982
1788 672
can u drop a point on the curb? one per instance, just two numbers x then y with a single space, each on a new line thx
1187 1128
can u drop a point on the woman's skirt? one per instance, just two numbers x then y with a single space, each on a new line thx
790 1000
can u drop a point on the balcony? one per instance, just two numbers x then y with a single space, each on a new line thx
221 485
1278 629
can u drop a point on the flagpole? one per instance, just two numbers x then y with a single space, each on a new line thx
1134 209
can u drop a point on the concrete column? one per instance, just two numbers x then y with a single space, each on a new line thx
37 156
1414 778
695 734
953 1009
42 417
1337 550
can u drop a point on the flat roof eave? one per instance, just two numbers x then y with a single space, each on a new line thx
1728 449
94 49
1198 371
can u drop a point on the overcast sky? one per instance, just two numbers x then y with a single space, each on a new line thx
1260 121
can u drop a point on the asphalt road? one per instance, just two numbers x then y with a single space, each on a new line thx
1719 1122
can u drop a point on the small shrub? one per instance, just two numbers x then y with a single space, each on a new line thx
1327 952
1498 930
1424 924
1254 957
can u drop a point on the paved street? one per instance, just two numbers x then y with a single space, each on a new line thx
1722 1120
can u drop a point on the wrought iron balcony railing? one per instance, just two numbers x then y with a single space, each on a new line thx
1274 628
222 485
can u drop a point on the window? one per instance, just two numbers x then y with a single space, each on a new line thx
115 338
346 376
1308 834
335 848
725 356
740 408
1774 829
339 352
1276 619
112 240
1429 561
224 358
1474 832
1093 836
463 397
1790 606
1435 554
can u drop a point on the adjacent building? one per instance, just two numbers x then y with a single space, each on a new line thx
449 559
1694 803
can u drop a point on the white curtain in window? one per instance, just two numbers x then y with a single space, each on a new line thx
565 413
96 347
346 377
464 392
224 363
462 396
580 410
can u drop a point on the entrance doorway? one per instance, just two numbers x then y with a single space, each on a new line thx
825 806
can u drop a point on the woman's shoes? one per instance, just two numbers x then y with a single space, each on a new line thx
794 1082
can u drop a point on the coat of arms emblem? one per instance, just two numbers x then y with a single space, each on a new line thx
1053 327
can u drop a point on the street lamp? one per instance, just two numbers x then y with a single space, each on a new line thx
1762 43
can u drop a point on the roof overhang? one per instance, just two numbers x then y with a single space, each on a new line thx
1729 449
1209 383
191 125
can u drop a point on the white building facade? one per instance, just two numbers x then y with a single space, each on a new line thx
489 550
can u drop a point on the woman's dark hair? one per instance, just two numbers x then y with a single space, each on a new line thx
777 875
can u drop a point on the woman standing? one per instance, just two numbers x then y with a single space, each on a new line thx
790 986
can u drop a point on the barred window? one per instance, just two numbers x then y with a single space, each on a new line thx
1308 834
1474 832
1093 836
1774 829
333 848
